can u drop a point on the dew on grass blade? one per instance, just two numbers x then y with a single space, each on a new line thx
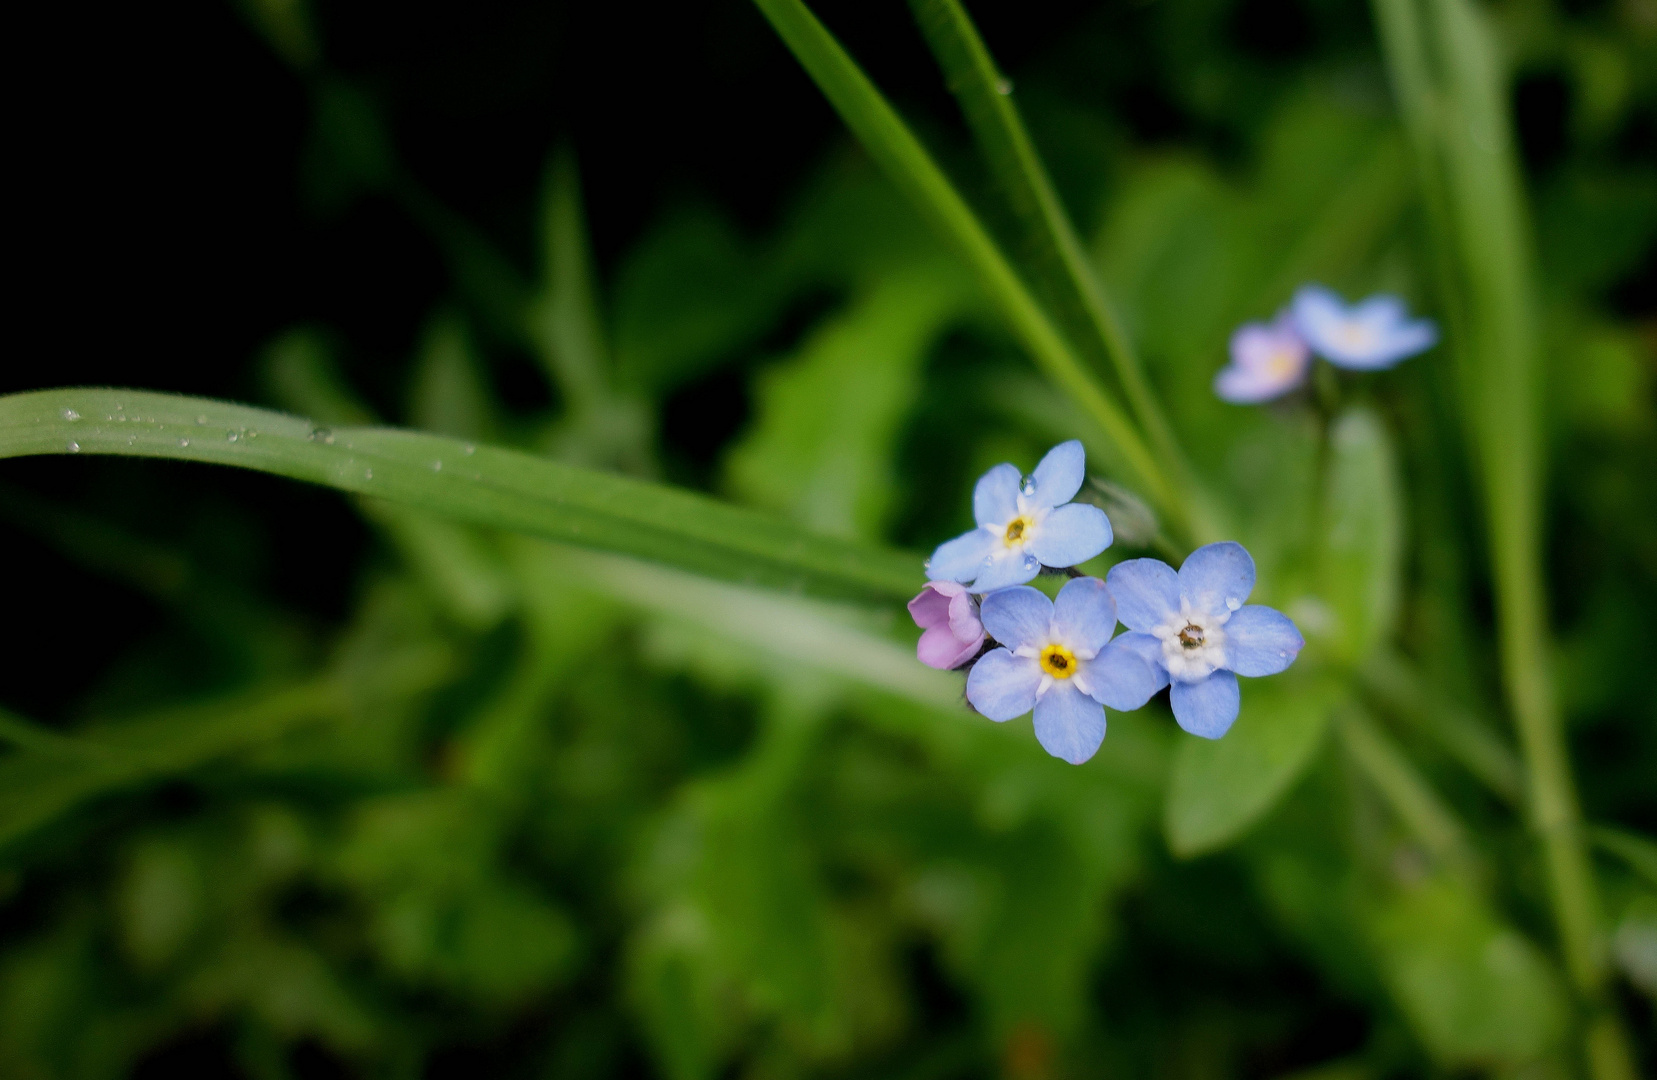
73 447
322 435
71 414
184 442
230 436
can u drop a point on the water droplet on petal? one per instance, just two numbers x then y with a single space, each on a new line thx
184 442
71 414
1233 603
1284 653
201 418
73 447
1031 562
1029 486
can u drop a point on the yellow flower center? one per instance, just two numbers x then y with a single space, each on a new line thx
1191 636
1016 529
1058 661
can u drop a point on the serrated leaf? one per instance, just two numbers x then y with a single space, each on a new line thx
1221 787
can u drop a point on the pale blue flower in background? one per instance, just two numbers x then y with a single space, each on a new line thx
1367 336
1267 361
1194 628
1057 657
1023 525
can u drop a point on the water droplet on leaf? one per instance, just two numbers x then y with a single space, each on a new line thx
368 474
230 436
73 447
322 435
469 449
71 414
201 418
437 466
184 442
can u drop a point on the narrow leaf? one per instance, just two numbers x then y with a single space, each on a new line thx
478 484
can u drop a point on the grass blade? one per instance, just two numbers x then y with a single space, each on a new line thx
906 162
1050 249
482 485
1452 94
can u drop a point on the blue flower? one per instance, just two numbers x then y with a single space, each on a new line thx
1194 628
1267 361
1058 659
1024 525
1373 334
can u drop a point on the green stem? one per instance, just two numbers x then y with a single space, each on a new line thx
907 163
1415 802
1451 93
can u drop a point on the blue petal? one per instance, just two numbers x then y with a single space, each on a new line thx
1148 647
1005 567
1084 615
1017 617
1216 577
1393 343
1207 707
962 558
1059 475
1120 678
1319 313
1069 724
1072 534
1002 686
1261 641
995 499
1146 592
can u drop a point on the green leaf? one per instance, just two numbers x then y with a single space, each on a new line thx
1477 991
478 484
1362 534
908 164
822 448
1221 787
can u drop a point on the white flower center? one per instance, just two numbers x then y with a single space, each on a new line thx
1018 532
1356 335
1048 655
1193 643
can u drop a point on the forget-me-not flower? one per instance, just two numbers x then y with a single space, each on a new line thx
1024 525
1057 658
1194 628
1371 334
949 615
1267 361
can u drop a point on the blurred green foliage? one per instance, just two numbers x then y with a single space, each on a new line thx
579 816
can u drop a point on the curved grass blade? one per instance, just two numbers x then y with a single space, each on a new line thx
908 165
482 485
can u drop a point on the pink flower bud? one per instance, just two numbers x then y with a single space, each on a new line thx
949 615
